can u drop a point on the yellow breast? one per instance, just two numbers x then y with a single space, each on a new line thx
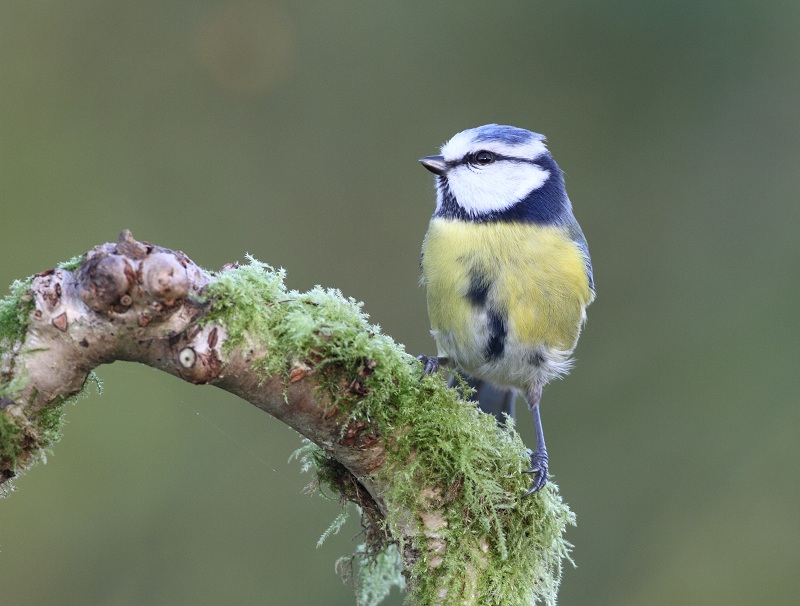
535 275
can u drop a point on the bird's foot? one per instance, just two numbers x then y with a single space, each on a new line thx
538 470
432 364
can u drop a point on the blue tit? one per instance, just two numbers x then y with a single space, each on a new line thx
506 266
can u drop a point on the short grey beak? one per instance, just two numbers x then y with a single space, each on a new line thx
435 164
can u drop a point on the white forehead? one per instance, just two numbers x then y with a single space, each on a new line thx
504 140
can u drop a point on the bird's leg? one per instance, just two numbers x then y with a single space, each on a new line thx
432 364
539 456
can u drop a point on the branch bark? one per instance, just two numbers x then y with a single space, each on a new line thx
432 476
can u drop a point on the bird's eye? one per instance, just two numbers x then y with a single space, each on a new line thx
483 158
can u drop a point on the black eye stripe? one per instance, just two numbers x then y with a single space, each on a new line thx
468 159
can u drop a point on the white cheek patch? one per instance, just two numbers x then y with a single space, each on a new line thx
495 187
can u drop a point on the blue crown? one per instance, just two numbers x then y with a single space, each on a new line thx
507 134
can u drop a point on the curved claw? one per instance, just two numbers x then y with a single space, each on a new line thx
538 469
432 364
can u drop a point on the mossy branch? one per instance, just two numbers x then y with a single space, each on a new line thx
436 480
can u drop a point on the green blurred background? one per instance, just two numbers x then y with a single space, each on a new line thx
292 131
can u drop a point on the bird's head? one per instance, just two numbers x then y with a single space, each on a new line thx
495 173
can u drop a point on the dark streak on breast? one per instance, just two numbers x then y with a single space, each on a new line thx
478 290
497 335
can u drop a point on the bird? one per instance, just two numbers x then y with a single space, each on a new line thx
506 268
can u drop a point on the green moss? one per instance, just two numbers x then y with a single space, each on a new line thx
321 325
15 310
25 441
11 442
73 264
49 420
434 439
377 574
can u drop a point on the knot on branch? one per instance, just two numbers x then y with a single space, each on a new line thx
198 358
103 281
116 277
127 300
164 278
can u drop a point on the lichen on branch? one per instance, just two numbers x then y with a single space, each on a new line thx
434 477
